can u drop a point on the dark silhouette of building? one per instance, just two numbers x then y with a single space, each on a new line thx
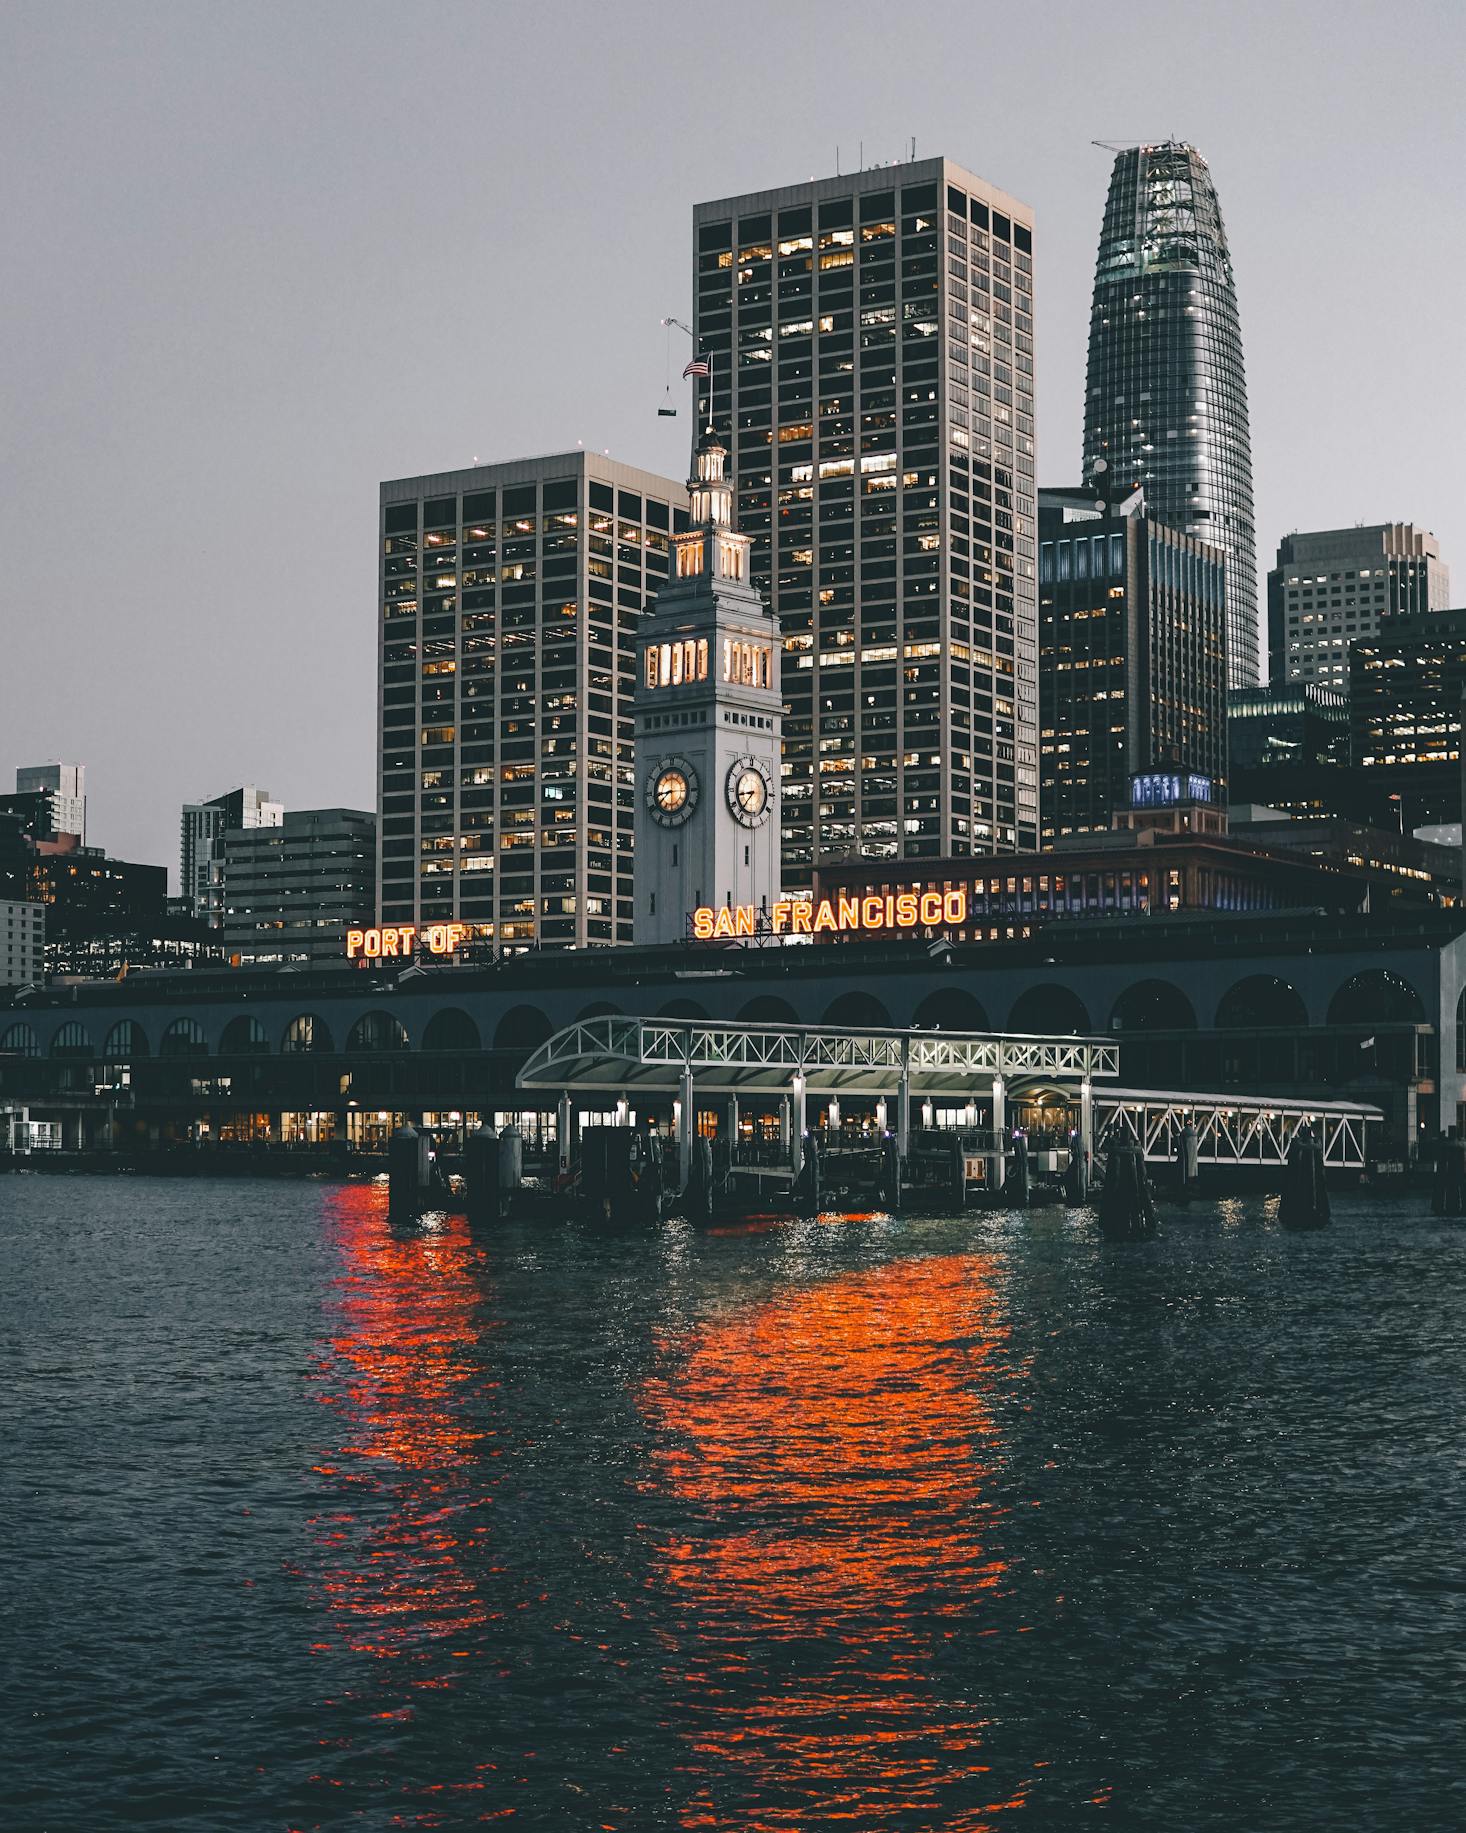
1132 658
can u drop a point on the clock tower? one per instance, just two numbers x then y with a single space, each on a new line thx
708 722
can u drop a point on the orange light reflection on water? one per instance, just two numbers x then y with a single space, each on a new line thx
832 1447
401 1368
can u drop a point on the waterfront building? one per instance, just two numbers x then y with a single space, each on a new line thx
871 345
1165 405
1332 587
511 595
1171 854
292 891
1405 688
1132 674
65 787
202 827
708 717
1291 1003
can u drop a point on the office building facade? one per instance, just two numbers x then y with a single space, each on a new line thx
1405 688
22 942
1332 587
1165 405
510 597
202 827
871 346
292 891
65 786
1132 658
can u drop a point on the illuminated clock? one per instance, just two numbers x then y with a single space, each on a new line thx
750 792
671 791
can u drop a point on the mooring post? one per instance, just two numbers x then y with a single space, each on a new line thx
407 1171
564 1127
481 1173
794 1111
1086 1120
903 1103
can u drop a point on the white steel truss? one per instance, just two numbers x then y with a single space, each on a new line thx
623 1053
1235 1129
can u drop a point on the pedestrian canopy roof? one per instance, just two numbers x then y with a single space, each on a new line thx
654 1053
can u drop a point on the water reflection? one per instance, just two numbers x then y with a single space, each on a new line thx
831 1447
401 1541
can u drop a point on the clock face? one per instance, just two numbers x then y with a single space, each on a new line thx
748 791
671 791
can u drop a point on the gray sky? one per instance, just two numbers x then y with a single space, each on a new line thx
258 257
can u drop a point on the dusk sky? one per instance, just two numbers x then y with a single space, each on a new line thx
258 258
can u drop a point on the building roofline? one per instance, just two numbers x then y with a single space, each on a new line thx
871 178
528 470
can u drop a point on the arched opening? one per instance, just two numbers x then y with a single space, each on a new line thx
1376 997
450 1029
183 1038
857 1011
1153 1005
244 1036
521 1028
306 1035
768 1009
377 1031
125 1043
72 1040
951 1009
599 1008
682 1008
1048 1010
1261 1002
19 1040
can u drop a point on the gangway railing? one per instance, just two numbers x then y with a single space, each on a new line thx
1236 1129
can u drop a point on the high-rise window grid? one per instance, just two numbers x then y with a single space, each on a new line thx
871 340
510 597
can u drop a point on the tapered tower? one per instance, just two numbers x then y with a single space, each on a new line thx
1166 400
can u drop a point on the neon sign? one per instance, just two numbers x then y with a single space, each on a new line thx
396 940
836 916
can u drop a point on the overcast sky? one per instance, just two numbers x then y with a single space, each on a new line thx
258 257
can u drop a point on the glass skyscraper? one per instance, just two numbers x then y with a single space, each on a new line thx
1166 401
871 343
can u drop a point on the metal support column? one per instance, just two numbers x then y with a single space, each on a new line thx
686 1119
998 1160
1086 1120
903 1115
564 1125
795 1112
732 1123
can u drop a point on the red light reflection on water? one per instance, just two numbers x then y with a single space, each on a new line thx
832 1447
402 1370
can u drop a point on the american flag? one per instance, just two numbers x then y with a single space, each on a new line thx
699 366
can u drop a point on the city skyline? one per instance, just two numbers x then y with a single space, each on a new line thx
255 352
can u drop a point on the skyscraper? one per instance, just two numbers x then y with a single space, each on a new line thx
871 342
510 596
1166 395
1330 588
1132 663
